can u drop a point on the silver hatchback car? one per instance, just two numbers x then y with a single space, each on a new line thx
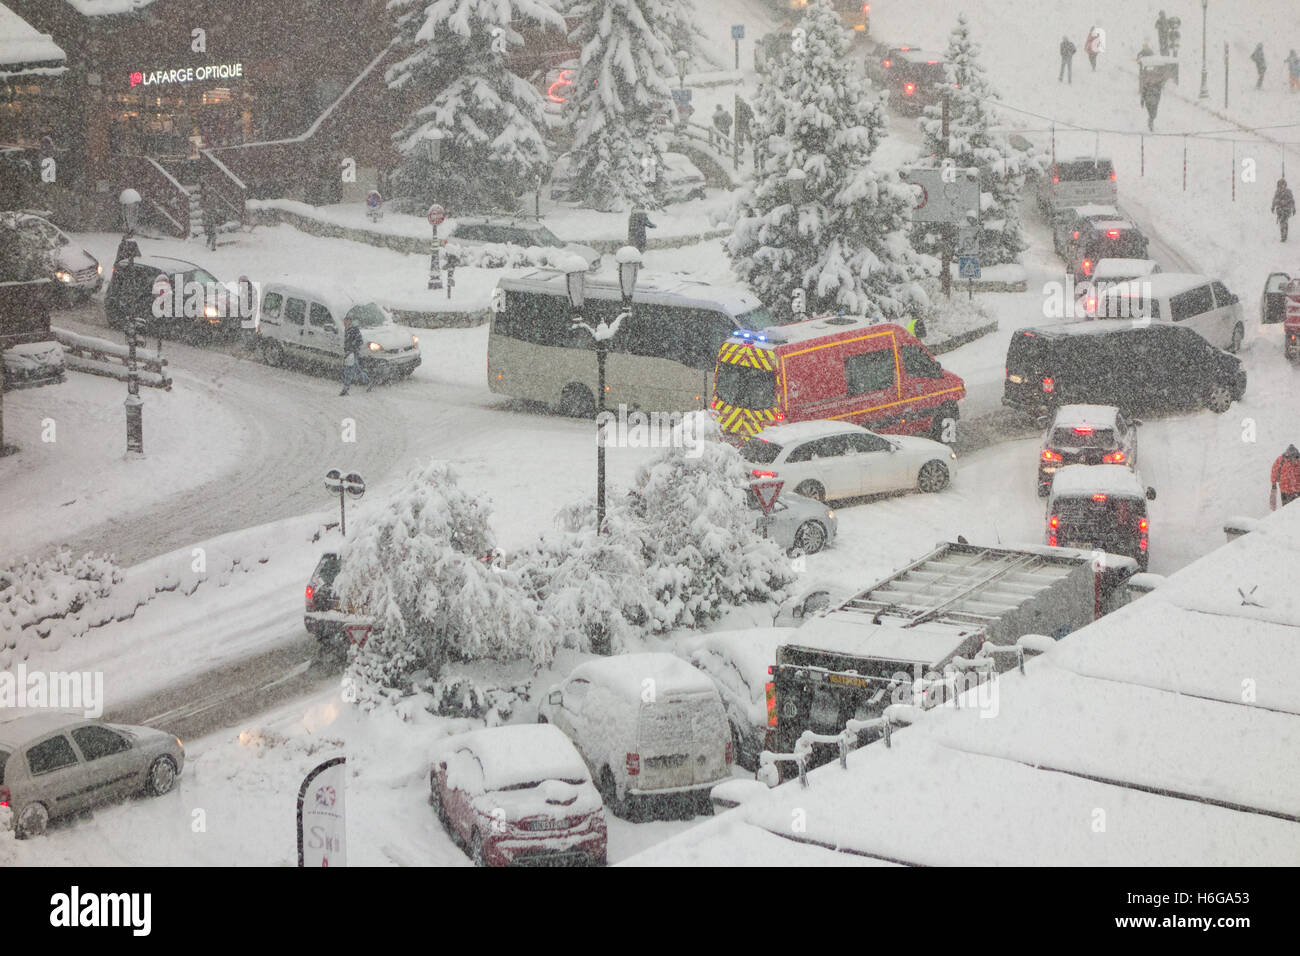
53 765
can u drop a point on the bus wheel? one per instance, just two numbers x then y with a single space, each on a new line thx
576 401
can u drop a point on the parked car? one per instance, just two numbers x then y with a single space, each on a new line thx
518 795
79 274
56 764
738 663
799 525
29 364
1100 508
1078 181
915 80
1102 239
1087 435
647 725
475 232
302 319
880 61
1107 274
1128 365
321 600
176 298
1281 303
1195 302
827 460
1066 221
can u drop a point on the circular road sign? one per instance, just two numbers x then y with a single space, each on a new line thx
354 486
373 199
437 214
333 481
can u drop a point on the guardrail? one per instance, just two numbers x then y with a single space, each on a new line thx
99 357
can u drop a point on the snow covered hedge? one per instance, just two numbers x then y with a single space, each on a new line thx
43 598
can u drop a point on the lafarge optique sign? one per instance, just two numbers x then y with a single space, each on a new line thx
188 74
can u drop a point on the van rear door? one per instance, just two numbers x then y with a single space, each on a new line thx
676 737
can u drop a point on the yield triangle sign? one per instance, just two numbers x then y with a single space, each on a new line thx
766 492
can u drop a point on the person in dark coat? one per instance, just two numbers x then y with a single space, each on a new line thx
1068 50
744 123
722 123
1283 206
1162 33
352 342
1258 58
637 223
1151 90
208 203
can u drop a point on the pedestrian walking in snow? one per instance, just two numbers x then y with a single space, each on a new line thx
722 124
1283 206
208 205
1162 33
1293 70
744 123
1092 46
352 356
1258 59
1285 477
637 223
1174 28
1068 50
1151 90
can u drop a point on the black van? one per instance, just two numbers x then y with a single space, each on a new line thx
1102 508
1132 367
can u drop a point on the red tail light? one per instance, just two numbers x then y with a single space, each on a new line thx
1143 525
779 416
888 63
1098 497
4 796
1112 175
1051 540
1142 544
909 88
770 690
633 764
1083 429
1087 267
1054 523
1049 455
1112 233
1049 385
931 62
1114 458
1055 180
1090 306
311 592
762 474
730 754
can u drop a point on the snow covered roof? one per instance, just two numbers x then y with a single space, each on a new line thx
22 45
1123 268
655 288
1084 212
626 674
814 328
338 297
107 8
18 726
519 753
1160 285
930 643
786 435
1097 479
1143 713
750 651
1099 416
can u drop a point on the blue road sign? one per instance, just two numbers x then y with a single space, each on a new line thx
682 97
738 31
968 267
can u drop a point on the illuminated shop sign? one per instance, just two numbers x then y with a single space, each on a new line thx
188 74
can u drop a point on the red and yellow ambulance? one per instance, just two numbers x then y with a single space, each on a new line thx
849 368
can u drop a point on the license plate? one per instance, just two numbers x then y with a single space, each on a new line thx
847 680
671 760
1014 378
548 825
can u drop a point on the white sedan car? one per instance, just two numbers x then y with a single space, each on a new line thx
828 460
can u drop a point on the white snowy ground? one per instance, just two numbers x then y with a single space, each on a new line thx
1201 464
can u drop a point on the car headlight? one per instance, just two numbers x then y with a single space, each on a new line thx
179 744
954 456
63 276
415 340
210 311
829 513
376 347
99 268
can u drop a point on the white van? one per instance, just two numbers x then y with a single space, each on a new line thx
646 724
302 319
1198 302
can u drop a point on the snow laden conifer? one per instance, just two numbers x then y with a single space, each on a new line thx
415 567
491 120
973 143
620 91
845 242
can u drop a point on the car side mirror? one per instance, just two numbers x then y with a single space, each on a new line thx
892 447
1151 494
555 697
1042 421
1135 422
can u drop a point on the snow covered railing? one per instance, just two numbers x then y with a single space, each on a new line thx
1238 525
846 740
99 357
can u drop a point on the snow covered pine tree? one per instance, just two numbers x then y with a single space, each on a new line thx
492 120
846 243
620 94
971 143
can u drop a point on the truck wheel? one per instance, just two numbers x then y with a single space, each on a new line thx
932 477
1219 398
810 538
811 489
1238 333
576 401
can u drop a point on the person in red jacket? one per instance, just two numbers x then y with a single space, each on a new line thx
1285 476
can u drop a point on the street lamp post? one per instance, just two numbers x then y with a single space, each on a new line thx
683 58
135 326
1205 76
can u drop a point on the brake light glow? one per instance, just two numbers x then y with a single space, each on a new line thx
931 62
1049 385
1112 233
1049 455
633 764
909 89
770 690
1143 525
1112 175
1142 544
1098 497
1055 522
887 64
1087 267
1083 429
1090 306
1051 540
1114 458
310 594
778 416
763 474
4 796
1055 179
1075 234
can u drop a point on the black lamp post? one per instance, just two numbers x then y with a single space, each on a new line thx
135 326
1205 76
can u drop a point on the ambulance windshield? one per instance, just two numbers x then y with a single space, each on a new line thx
746 387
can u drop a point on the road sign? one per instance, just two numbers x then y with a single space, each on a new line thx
358 634
373 199
354 486
947 195
968 267
766 492
333 481
436 215
681 97
738 31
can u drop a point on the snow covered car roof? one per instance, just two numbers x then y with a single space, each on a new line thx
1124 268
1099 416
749 652
786 435
518 754
650 288
335 296
1093 210
627 673
1103 224
21 726
1160 285
1073 480
813 328
167 264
